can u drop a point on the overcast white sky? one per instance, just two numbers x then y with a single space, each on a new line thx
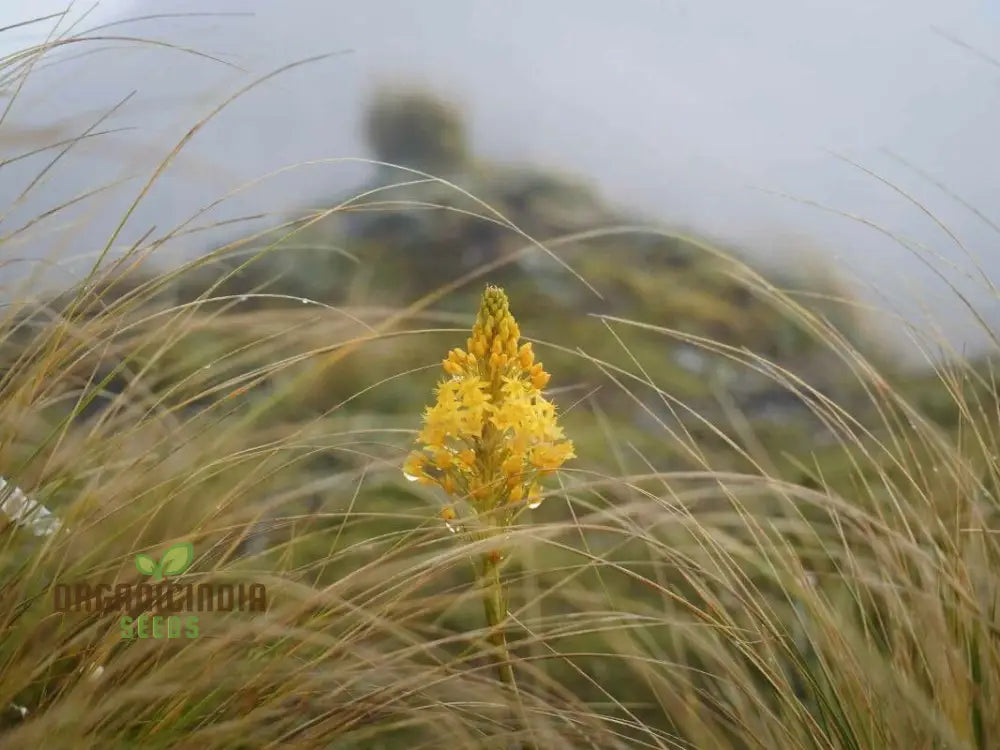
18 11
682 108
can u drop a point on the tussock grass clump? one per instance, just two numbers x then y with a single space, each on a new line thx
698 576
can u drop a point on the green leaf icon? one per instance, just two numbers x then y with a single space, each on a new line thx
177 559
145 564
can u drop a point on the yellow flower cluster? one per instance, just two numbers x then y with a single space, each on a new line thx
491 435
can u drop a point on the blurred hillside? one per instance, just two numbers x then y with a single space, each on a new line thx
410 253
262 396
437 223
436 216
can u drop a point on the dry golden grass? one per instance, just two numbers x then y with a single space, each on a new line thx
688 591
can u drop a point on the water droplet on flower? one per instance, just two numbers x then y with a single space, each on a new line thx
410 477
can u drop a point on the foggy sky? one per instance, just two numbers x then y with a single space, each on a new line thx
688 111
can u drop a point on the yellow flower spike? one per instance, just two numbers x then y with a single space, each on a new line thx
491 432
489 437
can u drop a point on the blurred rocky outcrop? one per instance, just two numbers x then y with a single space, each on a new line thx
416 129
659 333
404 235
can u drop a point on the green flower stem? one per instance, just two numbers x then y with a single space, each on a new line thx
495 607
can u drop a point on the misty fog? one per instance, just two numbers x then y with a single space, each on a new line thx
701 115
